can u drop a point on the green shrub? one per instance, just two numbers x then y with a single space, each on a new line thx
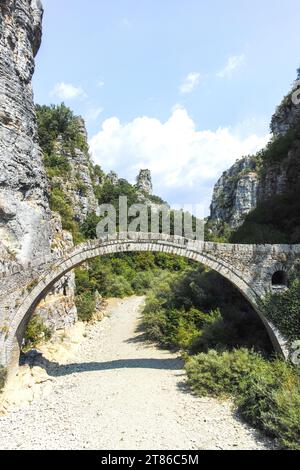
83 281
153 304
271 400
218 233
142 282
86 306
172 263
267 393
220 374
88 227
278 148
3 375
35 333
283 310
154 324
60 203
174 328
186 334
118 286
213 335
81 188
57 165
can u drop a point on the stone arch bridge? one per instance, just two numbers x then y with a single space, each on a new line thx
250 268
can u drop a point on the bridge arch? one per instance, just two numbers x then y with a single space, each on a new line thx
202 252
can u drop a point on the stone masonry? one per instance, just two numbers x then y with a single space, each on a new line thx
248 267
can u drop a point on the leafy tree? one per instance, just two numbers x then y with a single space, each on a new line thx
54 121
88 227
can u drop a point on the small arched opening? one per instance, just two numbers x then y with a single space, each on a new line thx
280 279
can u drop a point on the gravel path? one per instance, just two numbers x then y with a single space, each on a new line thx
121 393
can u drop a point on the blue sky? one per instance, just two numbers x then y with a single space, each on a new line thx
184 87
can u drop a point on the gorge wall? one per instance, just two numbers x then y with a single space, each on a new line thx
24 205
79 184
29 231
235 193
254 180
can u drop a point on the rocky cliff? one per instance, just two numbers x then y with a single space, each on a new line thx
78 185
287 114
254 180
29 231
235 193
24 205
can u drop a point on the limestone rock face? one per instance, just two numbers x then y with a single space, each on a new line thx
24 212
241 188
79 185
144 182
29 232
235 193
113 177
287 115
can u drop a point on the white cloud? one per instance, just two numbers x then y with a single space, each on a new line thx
233 63
100 83
126 22
67 91
93 113
190 82
185 163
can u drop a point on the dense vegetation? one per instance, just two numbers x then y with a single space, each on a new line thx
274 221
36 332
58 121
266 392
122 275
199 310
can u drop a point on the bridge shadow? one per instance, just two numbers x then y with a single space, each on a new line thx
139 338
55 369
